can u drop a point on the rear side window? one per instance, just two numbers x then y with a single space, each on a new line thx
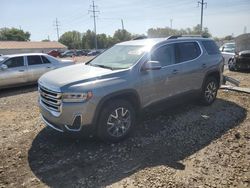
14 62
186 51
211 47
34 60
45 60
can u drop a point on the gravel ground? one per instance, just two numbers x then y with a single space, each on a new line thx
185 146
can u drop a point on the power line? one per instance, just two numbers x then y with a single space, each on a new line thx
94 11
120 19
56 25
202 3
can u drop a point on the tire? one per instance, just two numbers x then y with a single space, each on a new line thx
231 65
117 119
209 91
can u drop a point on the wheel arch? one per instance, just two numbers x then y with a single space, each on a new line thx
129 95
216 74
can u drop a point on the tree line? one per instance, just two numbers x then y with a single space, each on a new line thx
77 40
86 40
13 34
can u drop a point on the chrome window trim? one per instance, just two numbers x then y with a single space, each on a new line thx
163 67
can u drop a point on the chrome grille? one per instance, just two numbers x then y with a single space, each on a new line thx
50 99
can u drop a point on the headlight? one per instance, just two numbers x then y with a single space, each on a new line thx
77 97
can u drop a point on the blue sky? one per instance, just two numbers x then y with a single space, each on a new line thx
222 17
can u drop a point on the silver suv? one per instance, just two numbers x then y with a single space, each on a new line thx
107 93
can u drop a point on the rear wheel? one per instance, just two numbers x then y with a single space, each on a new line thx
209 91
116 121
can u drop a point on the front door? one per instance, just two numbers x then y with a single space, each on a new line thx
15 74
162 83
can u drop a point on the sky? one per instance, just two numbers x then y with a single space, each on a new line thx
222 17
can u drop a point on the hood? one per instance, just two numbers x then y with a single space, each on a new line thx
245 53
70 75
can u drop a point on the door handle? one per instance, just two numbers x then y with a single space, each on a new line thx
21 70
204 65
48 67
175 71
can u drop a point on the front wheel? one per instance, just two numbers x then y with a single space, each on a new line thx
231 65
116 121
209 91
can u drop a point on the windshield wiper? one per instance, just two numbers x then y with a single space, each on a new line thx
102 66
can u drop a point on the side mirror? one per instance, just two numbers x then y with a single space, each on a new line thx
151 65
3 67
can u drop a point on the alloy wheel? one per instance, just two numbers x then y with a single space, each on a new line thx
210 92
119 122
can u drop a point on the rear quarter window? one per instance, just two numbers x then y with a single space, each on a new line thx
45 60
211 47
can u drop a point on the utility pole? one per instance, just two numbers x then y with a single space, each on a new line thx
245 30
171 23
122 24
57 28
94 11
202 3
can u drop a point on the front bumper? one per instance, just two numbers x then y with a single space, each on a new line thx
242 63
72 118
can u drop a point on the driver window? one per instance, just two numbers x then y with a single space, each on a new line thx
165 55
14 62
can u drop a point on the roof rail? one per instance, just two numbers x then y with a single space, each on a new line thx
173 37
179 36
139 37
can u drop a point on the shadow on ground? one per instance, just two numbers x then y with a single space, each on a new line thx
163 138
17 90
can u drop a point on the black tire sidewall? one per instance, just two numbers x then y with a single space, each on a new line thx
104 115
230 65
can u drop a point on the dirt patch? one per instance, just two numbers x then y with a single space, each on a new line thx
243 77
185 146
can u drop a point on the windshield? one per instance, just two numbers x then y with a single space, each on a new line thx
119 57
2 58
230 45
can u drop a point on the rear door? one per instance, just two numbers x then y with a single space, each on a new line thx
15 74
188 58
37 67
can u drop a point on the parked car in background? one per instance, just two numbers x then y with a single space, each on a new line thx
81 53
23 69
107 93
94 53
228 51
68 53
54 53
228 47
240 61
